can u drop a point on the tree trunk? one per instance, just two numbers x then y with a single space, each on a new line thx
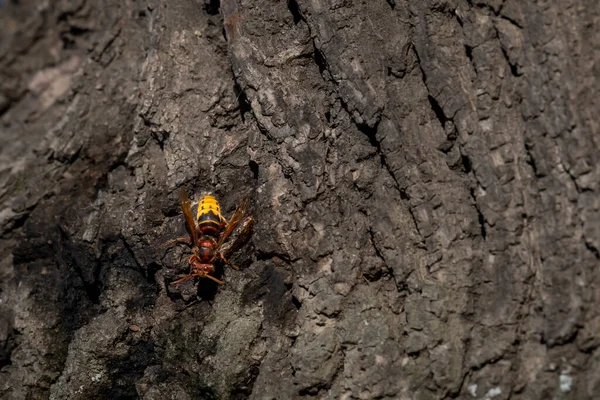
424 178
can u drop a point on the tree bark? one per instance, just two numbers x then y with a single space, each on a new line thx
424 177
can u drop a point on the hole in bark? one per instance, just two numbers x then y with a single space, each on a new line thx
296 303
5 361
531 161
371 133
173 210
17 223
160 138
466 163
295 10
439 113
479 215
458 18
469 52
270 255
254 168
68 43
513 67
8 346
151 270
592 250
212 6
224 33
414 354
242 100
404 195
314 390
481 223
320 60
93 292
392 3
76 30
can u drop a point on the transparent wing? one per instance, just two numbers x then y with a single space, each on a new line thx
185 202
240 239
235 219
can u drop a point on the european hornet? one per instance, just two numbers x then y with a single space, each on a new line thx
208 233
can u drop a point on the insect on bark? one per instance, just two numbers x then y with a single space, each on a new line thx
209 232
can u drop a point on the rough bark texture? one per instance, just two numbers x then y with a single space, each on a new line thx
424 176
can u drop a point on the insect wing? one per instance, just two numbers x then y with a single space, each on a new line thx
240 239
235 219
185 202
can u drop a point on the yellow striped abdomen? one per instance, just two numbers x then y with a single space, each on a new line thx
210 220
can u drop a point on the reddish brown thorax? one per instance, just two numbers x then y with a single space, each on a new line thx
206 249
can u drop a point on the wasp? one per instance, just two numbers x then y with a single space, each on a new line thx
208 234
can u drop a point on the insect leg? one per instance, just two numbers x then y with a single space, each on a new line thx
185 278
222 257
201 275
235 219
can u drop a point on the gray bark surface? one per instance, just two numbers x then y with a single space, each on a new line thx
424 177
